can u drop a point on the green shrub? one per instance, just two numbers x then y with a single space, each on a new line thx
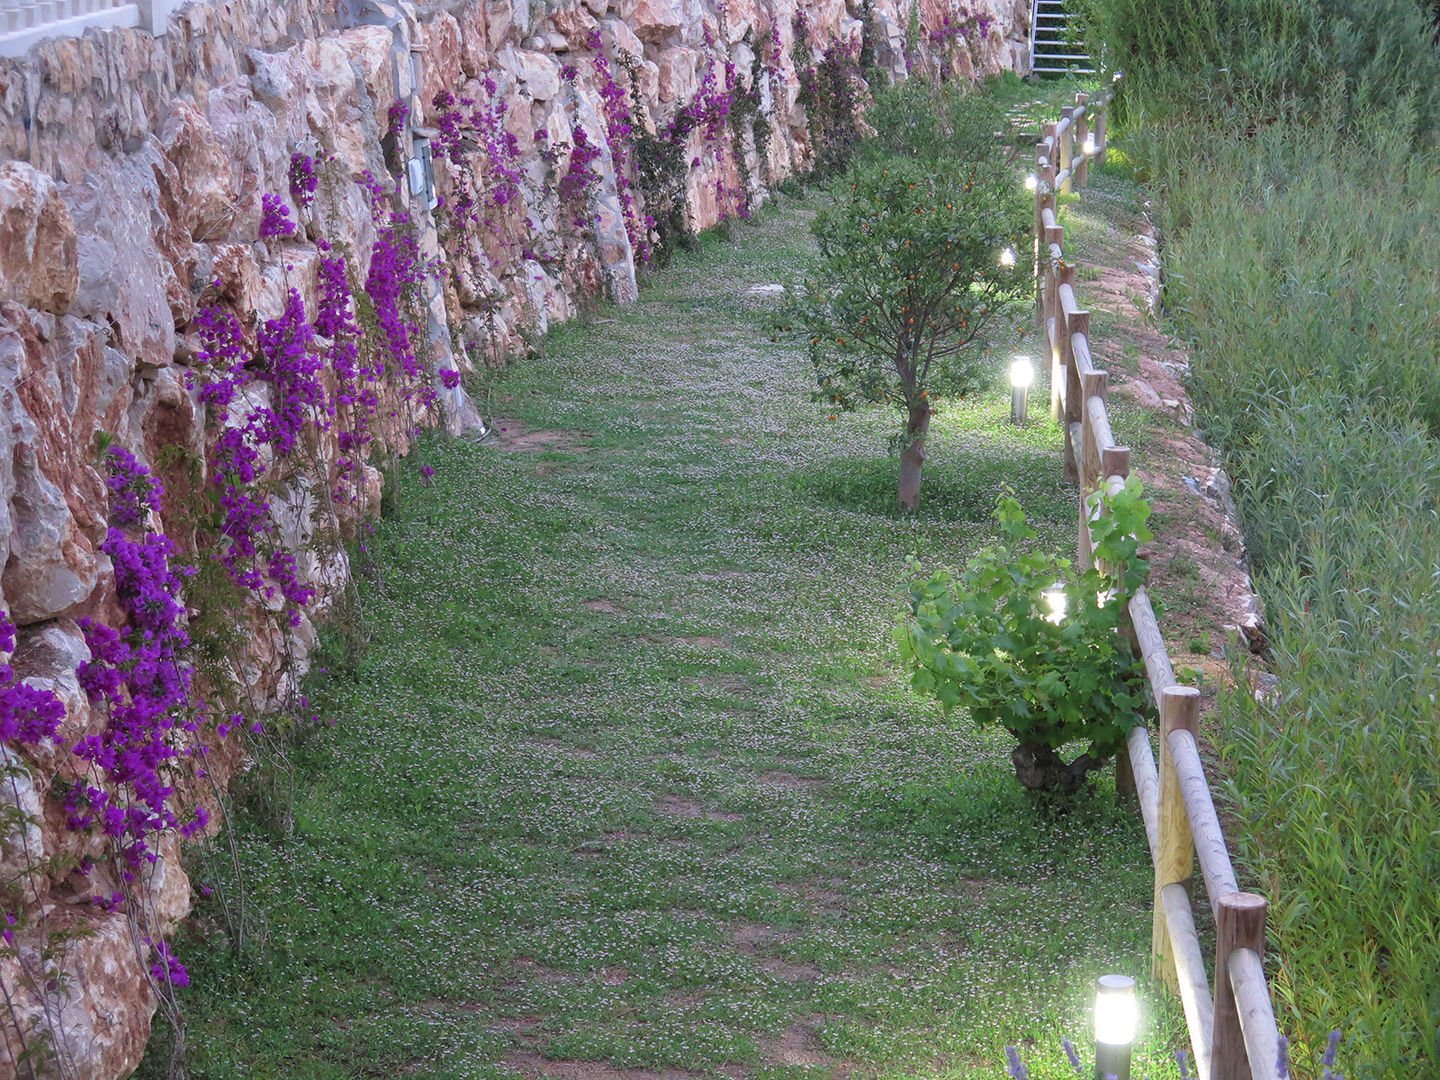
1263 58
909 275
926 121
990 640
1300 269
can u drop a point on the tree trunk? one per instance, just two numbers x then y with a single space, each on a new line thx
1040 768
913 456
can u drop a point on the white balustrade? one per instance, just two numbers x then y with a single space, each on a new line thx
23 23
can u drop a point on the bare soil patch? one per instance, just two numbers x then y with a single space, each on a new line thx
750 938
799 1045
782 779
1197 557
730 684
568 749
514 436
792 972
537 1065
691 809
608 606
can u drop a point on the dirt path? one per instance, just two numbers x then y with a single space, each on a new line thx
1197 556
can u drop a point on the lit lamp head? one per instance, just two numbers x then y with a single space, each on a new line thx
1055 600
1007 257
1032 182
1089 147
1116 1018
1022 374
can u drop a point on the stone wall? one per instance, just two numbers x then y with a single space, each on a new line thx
132 175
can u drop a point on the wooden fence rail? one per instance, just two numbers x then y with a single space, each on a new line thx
1230 1020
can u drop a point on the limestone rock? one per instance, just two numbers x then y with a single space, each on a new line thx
103 1002
442 62
619 37
38 249
123 275
206 197
678 74
652 20
539 73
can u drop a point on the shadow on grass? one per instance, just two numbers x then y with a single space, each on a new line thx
950 492
984 822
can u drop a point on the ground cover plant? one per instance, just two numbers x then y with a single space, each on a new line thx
628 775
1300 270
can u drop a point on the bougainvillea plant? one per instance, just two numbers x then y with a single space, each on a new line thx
303 180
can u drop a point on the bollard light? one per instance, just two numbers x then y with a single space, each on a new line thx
1116 1018
1007 257
1089 147
1022 374
1032 182
1055 600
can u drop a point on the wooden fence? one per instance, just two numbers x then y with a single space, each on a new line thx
1232 1030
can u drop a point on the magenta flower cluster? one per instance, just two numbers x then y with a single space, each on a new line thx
133 491
580 179
398 113
303 180
287 358
137 675
275 221
27 714
395 263
485 125
221 357
289 362
356 399
618 128
167 968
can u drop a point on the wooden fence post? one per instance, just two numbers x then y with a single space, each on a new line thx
1094 383
1175 854
1040 252
1239 924
1115 461
1077 322
1082 129
1087 462
1100 115
1050 322
1067 147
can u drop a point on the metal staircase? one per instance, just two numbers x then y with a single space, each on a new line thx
1051 51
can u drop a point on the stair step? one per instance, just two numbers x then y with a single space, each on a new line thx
1050 44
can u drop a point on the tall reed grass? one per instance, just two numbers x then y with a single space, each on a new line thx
1301 217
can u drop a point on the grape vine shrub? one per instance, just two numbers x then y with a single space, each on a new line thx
996 640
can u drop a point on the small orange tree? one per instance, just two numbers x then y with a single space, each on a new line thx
910 273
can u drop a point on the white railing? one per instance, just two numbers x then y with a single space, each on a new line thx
24 23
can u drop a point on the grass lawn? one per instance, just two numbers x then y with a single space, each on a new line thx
628 782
